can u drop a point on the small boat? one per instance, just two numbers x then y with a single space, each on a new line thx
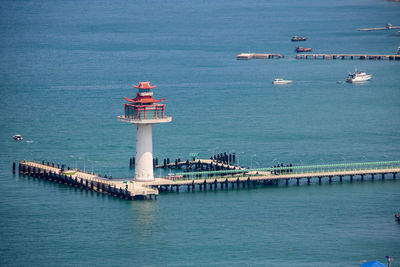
281 81
398 49
303 49
298 38
18 137
172 176
358 76
69 172
397 217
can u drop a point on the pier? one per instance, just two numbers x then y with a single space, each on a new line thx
348 56
247 56
197 181
120 188
273 175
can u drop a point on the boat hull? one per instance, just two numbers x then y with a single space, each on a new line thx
282 82
359 79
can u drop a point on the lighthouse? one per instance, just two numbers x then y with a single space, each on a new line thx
144 111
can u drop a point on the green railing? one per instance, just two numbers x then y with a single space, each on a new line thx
294 169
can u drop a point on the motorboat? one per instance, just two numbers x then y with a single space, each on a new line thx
69 172
172 176
303 49
298 38
281 81
18 137
358 76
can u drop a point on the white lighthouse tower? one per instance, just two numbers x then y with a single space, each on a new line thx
144 111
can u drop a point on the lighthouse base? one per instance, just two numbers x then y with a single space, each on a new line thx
144 153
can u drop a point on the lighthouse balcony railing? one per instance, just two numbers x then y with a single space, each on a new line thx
144 121
150 112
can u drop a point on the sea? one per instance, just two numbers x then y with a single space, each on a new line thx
65 67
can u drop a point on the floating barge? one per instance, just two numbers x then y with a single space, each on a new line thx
387 27
348 56
202 164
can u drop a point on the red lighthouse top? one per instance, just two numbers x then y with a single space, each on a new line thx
144 85
145 95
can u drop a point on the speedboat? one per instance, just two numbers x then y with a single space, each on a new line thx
18 137
303 49
281 81
358 76
172 176
69 172
298 38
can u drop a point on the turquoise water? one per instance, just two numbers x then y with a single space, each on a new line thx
65 67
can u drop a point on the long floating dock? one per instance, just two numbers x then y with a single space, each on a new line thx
348 56
247 56
225 179
380 28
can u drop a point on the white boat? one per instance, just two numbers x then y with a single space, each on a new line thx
18 137
69 172
358 76
172 176
281 81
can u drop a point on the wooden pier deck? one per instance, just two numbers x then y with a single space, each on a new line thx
348 56
121 188
247 56
264 178
225 179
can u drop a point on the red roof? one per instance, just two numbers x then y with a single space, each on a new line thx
144 85
143 99
146 99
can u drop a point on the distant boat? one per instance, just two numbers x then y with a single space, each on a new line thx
298 38
281 81
358 76
69 172
398 49
18 137
397 217
303 49
172 176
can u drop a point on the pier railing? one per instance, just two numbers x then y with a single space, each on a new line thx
325 168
